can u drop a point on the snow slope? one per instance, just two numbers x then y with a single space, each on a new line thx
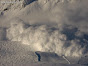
16 54
13 53
58 13
59 26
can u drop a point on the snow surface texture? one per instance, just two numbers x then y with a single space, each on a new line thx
15 54
65 29
13 4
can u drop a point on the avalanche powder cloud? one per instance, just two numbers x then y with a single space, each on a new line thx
69 37
44 38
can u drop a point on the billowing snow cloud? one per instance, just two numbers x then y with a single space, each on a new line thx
46 39
67 33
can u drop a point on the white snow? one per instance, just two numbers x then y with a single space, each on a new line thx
59 26
44 38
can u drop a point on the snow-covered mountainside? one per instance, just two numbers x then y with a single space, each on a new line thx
59 26
13 4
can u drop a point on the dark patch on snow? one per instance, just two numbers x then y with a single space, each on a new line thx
1 13
5 9
39 57
3 33
27 2
83 60
33 1
49 57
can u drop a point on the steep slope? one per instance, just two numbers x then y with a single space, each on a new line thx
69 17
13 4
16 54
56 28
